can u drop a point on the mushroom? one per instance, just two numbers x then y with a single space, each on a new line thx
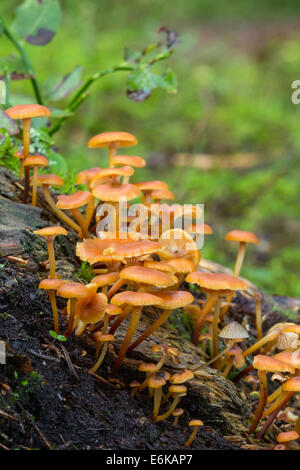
120 160
194 229
85 177
105 280
73 202
177 392
26 112
53 180
217 286
101 338
150 369
112 140
51 285
49 233
287 437
170 300
265 364
72 291
195 423
91 309
258 302
176 413
20 155
242 238
180 244
165 351
137 300
156 383
35 161
148 186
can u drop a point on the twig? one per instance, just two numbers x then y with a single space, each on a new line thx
6 415
42 436
104 380
69 362
43 356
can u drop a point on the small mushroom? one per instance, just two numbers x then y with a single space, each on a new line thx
112 140
35 161
176 413
73 202
195 423
104 340
49 233
51 285
177 392
156 383
72 291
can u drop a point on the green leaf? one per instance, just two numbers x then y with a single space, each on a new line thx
37 21
57 163
59 88
8 124
141 82
14 66
56 336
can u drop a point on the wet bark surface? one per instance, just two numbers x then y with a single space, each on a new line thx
47 397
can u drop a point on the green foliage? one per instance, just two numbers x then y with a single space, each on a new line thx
85 273
54 335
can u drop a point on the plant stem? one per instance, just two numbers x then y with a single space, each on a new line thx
29 68
262 400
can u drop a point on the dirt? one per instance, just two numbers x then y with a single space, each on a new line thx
47 397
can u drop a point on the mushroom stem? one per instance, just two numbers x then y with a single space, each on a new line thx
134 320
112 149
81 221
162 319
101 357
52 298
89 214
297 425
173 405
26 144
157 402
192 436
215 328
259 344
258 316
119 320
262 375
51 254
21 168
114 288
71 317
211 301
57 211
285 399
34 185
228 367
239 259
274 405
215 358
274 395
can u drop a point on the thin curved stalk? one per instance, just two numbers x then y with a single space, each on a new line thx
216 329
274 395
262 400
162 319
173 405
34 185
211 301
71 317
273 415
89 214
134 321
274 405
81 221
120 319
26 143
157 402
59 212
52 298
101 358
51 255
192 437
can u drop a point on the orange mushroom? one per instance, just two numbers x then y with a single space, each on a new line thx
73 202
72 291
112 140
51 285
49 233
35 161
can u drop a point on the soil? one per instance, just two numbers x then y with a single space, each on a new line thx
47 397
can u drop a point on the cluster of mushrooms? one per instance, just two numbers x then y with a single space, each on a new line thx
135 270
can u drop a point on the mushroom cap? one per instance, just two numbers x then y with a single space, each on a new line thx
181 377
181 265
242 236
72 290
91 308
108 172
178 412
73 201
199 228
292 385
156 382
159 194
196 422
290 357
287 340
164 349
269 364
234 351
148 367
216 281
86 176
96 250
110 193
175 299
287 436
143 275
159 266
233 330
50 180
98 336
106 279
36 160
137 299
292 328
52 231
19 154
50 284
113 310
105 139
152 185
136 162
181 389
177 243
24 111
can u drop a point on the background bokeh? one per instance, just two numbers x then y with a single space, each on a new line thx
229 139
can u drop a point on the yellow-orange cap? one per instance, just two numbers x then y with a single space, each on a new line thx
287 436
86 176
110 193
36 160
216 281
52 231
143 275
199 228
106 279
159 194
50 284
24 111
136 162
152 185
242 236
291 385
73 201
181 377
135 298
105 139
290 357
50 180
175 299
196 422
269 364
72 290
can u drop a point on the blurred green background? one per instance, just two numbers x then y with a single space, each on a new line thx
229 139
